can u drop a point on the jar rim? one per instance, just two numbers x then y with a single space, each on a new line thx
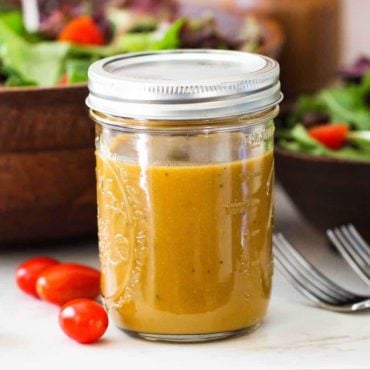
210 125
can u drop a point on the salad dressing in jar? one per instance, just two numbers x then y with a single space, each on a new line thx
184 150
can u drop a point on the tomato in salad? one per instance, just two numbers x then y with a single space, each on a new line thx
333 136
82 30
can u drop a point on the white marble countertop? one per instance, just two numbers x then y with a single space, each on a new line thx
294 335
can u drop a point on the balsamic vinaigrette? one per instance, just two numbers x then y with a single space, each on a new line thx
185 172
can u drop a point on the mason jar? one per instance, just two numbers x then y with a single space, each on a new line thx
185 173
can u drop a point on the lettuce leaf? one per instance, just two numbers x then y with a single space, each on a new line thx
14 21
156 40
14 79
360 139
346 103
305 104
76 70
40 63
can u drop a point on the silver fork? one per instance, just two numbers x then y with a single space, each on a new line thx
314 285
353 248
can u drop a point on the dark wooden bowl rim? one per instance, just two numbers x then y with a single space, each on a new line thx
5 89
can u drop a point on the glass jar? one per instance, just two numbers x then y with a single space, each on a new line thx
184 149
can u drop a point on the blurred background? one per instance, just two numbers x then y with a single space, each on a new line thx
318 35
355 29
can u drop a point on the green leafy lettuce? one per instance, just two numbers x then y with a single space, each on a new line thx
297 139
40 63
76 70
27 61
160 39
347 103
343 104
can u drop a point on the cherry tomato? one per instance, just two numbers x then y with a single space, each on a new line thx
83 320
331 135
82 30
67 281
27 273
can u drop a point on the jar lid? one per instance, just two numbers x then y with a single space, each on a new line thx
183 84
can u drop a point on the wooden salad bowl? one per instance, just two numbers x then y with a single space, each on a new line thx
328 192
47 165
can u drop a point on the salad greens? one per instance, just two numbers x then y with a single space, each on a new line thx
76 70
165 38
25 60
71 36
297 139
347 103
30 63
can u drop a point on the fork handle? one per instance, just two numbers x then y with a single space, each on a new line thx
361 305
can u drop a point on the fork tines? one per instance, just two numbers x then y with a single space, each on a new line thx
309 280
353 248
